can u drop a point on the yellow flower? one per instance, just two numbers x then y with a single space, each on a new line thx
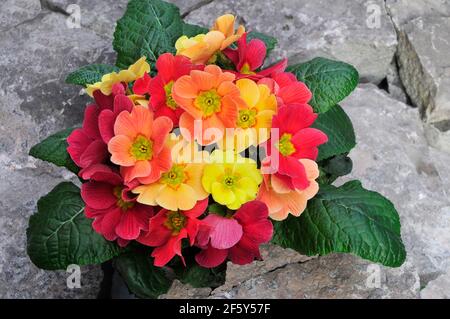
134 72
202 48
139 100
231 179
179 188
254 118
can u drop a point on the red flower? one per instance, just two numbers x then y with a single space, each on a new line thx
116 215
88 145
255 229
296 141
168 228
287 89
250 56
107 117
170 68
142 85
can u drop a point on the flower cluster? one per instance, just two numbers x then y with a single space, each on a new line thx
158 150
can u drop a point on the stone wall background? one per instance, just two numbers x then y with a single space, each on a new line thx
401 114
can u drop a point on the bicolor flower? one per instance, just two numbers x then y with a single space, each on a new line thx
282 200
296 141
138 145
115 214
210 98
235 237
170 68
180 188
134 72
168 228
254 117
231 179
108 117
288 89
202 48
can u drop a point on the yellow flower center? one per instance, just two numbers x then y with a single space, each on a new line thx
246 118
209 102
175 177
142 148
285 145
170 102
229 179
246 69
124 205
175 222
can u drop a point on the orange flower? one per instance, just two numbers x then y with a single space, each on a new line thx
209 98
283 201
225 24
202 48
139 145
254 117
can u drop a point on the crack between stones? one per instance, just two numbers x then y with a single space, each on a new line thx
45 4
395 60
39 16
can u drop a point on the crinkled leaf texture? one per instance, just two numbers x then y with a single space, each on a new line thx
346 219
54 150
339 129
142 278
59 234
90 74
150 28
330 81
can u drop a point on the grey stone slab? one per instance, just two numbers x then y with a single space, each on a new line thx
393 158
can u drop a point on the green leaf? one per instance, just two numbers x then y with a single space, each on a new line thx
330 81
150 28
191 30
270 41
334 167
348 219
142 278
54 150
218 209
339 129
60 235
90 74
199 277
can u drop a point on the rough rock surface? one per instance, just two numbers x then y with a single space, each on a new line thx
438 288
15 12
39 46
402 11
347 30
35 57
334 276
423 27
392 157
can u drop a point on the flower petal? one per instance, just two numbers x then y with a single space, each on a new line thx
211 257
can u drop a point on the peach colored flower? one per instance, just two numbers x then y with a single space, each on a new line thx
139 145
210 98
282 200
202 48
